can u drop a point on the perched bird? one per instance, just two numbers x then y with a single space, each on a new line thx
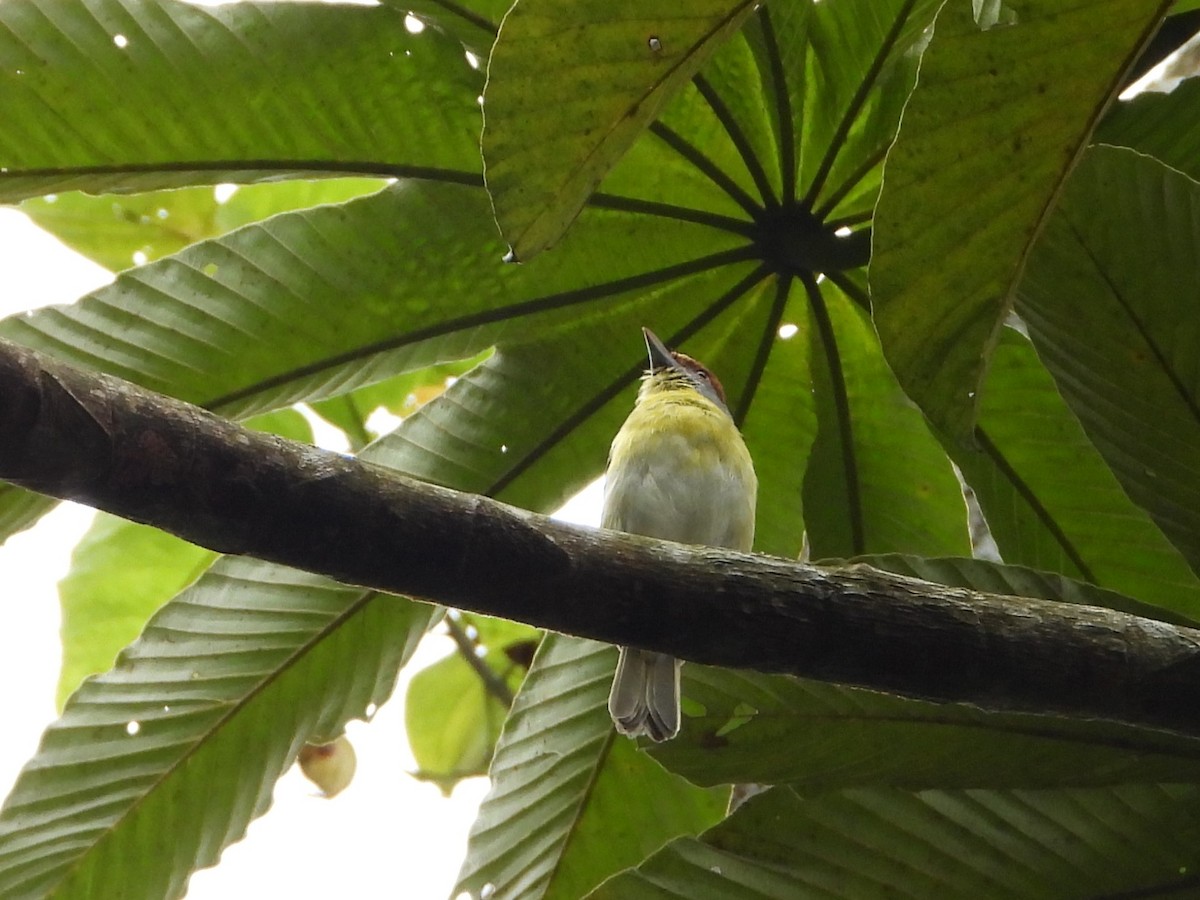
678 470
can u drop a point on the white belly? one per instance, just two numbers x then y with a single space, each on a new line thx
680 483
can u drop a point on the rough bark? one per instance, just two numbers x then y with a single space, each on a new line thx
149 458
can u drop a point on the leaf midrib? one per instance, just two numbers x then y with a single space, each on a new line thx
203 741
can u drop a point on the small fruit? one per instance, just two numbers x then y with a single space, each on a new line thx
329 766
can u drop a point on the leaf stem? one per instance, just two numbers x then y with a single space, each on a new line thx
485 317
725 116
851 181
468 15
783 287
671 211
467 647
857 102
1038 508
714 172
841 405
783 108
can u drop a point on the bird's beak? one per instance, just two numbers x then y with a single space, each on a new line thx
660 356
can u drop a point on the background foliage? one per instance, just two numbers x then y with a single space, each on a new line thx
984 275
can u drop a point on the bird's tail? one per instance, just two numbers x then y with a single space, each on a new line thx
645 694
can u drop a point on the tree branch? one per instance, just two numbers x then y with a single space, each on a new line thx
152 459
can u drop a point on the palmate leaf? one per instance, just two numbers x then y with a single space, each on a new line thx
962 207
187 734
684 238
572 802
175 67
1129 371
561 110
368 312
356 310
1134 840
490 431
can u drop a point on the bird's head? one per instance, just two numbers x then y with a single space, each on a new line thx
673 371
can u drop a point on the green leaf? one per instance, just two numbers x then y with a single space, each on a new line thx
121 572
226 682
452 723
1018 581
224 686
992 130
877 480
744 727
780 426
1112 317
400 395
175 67
1050 500
254 202
357 311
860 844
750 126
122 230
570 88
1160 125
452 717
20 509
474 22
288 423
847 94
559 817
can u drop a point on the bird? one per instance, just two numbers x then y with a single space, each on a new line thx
678 470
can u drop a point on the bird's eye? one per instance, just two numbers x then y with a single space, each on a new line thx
700 373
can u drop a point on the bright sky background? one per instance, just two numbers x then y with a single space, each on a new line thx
387 835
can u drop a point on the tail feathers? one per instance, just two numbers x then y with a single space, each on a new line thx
645 695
